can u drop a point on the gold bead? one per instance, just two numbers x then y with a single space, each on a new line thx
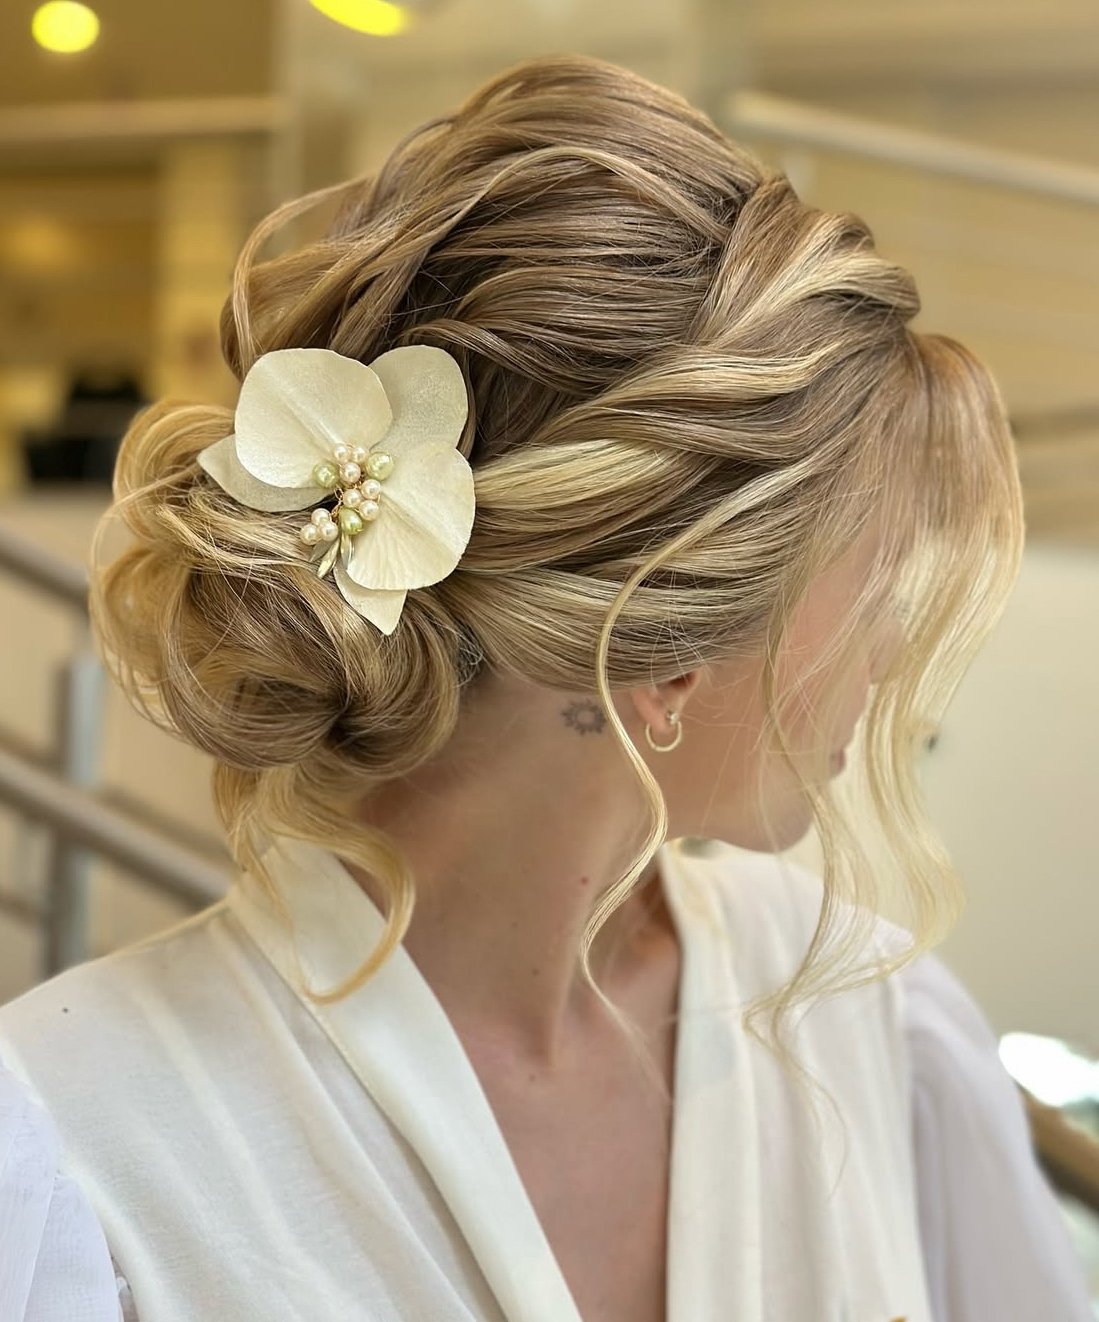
379 464
350 521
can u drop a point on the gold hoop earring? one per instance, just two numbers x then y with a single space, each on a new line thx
673 718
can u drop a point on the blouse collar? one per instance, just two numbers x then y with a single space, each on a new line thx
396 1037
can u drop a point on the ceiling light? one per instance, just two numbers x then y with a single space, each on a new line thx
378 18
63 25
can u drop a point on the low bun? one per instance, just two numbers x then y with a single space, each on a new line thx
220 631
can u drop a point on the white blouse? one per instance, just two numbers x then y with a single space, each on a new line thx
245 1154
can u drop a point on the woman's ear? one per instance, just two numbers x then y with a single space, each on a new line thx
678 691
653 701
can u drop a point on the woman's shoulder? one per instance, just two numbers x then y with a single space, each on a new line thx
850 1029
117 972
770 906
76 1022
995 1239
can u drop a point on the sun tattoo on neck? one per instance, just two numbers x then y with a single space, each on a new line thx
585 716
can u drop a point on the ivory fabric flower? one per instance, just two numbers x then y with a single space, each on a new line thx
313 426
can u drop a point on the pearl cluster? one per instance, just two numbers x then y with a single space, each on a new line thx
359 497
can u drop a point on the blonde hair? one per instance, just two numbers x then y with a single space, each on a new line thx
691 392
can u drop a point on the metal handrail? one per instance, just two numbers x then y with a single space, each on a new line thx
78 714
799 125
84 819
202 843
44 569
79 820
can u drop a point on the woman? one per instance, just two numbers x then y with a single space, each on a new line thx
578 456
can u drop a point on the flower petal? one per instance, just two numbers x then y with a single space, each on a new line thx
221 462
381 608
427 393
295 405
423 526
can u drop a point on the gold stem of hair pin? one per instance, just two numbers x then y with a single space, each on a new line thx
355 475
673 719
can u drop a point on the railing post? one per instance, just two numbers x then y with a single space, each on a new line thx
78 742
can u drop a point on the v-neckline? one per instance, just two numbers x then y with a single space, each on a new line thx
395 1035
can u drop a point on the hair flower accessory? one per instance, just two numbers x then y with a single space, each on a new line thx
313 426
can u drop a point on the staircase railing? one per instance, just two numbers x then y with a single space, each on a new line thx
81 824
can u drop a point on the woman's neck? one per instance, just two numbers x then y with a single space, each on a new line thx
512 841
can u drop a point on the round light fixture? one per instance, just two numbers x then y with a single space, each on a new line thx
64 26
377 18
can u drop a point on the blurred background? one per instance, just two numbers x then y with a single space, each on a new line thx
138 145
